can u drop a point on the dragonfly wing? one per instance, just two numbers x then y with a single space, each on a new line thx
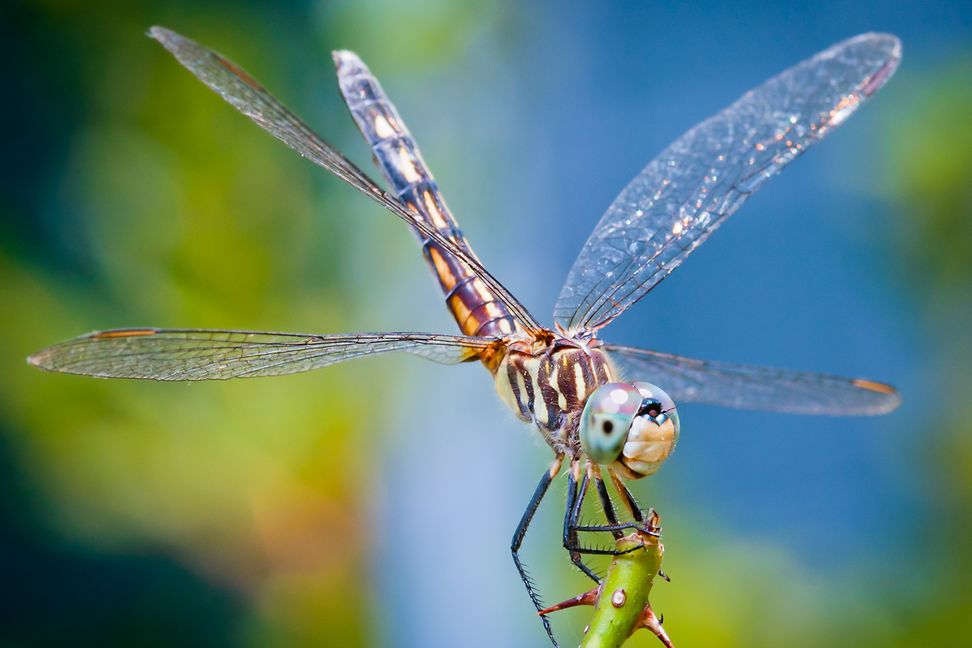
751 387
249 97
683 195
202 354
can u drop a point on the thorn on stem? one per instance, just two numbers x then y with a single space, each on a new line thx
653 623
587 598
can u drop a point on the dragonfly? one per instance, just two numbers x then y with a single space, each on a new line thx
590 400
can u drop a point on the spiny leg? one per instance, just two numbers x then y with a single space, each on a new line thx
606 504
575 500
520 532
614 526
628 498
632 505
571 527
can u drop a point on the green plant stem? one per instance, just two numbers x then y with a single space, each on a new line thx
622 605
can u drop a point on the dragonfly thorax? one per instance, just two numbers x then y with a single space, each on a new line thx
567 387
550 386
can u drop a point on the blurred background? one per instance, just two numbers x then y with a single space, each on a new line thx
292 511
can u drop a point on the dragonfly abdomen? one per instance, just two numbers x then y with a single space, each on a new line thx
475 307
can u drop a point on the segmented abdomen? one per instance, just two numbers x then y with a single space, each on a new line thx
474 306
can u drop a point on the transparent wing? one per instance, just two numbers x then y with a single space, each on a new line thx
759 388
683 195
246 94
201 354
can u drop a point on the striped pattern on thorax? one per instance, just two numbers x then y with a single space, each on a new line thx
474 306
550 389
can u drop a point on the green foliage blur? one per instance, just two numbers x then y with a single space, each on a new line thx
239 513
139 514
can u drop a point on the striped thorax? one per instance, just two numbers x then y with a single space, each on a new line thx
568 388
547 383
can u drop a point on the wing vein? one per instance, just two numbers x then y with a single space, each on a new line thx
702 178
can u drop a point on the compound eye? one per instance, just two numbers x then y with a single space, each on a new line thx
655 401
653 434
606 420
657 407
650 407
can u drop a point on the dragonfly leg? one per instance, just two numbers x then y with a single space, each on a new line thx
598 551
629 501
575 500
520 532
614 526
573 545
606 504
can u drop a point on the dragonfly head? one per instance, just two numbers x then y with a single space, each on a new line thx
630 427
